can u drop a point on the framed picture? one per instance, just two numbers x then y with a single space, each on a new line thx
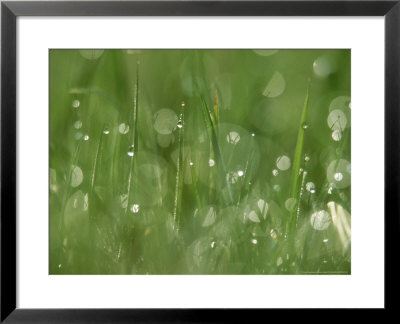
164 158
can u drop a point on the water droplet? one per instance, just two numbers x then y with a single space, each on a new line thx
325 241
86 137
253 217
338 173
273 234
211 162
306 158
283 162
240 173
338 176
59 266
76 176
290 204
279 261
131 150
341 103
232 177
320 220
191 163
135 208
123 128
337 135
106 130
276 188
233 138
275 172
310 186
183 104
78 124
275 86
76 103
301 171
165 121
212 244
252 134
263 207
337 120
305 126
254 241
324 66
179 124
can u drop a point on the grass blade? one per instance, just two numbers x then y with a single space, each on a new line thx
214 140
179 175
132 170
294 190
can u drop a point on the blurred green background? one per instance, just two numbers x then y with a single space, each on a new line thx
158 194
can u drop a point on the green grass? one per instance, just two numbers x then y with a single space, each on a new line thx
251 175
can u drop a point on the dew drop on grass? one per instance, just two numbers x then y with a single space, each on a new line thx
240 173
59 266
211 162
191 163
320 220
324 66
290 204
254 241
131 151
275 172
135 208
179 124
263 207
337 120
91 54
265 52
310 186
279 261
339 173
165 121
86 137
337 135
253 134
253 217
306 158
76 103
283 162
276 188
233 137
78 124
325 240
212 244
273 234
305 126
275 86
76 176
338 176
341 103
106 130
232 177
123 128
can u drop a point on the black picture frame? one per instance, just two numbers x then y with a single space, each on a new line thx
10 10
